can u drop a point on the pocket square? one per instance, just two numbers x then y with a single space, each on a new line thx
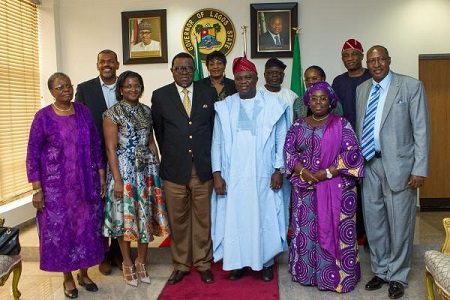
205 105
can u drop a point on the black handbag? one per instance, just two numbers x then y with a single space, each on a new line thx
9 241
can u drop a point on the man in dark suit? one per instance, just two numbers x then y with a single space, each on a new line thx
183 118
274 36
98 94
392 124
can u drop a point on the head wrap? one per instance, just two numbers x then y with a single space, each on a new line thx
243 64
322 86
275 62
144 25
352 44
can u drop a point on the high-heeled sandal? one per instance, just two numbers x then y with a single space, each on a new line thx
142 272
129 276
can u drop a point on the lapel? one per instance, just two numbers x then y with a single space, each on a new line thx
390 98
363 106
199 101
98 94
175 99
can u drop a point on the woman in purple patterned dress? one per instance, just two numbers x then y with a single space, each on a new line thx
323 162
65 167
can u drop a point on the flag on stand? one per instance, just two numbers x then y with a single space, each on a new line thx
198 75
262 23
297 84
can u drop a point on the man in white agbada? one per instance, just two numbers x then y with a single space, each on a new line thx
274 76
249 206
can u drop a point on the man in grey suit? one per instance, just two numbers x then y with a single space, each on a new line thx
98 94
392 125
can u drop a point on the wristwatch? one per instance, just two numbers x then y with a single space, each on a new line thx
329 175
281 170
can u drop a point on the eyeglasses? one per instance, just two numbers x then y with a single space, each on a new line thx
380 60
183 69
62 87
132 87
318 99
142 32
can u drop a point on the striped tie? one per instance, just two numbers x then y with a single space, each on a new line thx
368 142
187 102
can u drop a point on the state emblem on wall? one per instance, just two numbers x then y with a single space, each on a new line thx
208 30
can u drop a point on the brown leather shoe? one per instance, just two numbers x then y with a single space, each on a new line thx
176 276
105 267
207 276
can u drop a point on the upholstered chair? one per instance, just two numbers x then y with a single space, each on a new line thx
437 263
10 264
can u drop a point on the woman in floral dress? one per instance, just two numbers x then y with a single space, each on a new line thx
134 208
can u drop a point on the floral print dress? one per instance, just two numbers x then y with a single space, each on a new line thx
141 213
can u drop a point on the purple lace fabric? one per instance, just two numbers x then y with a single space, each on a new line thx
64 154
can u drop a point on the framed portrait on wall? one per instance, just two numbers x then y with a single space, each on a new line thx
271 29
144 37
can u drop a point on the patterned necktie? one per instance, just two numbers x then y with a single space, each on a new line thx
277 40
187 102
368 142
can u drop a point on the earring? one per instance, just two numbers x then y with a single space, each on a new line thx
329 106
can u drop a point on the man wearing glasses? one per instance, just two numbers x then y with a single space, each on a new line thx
183 118
392 124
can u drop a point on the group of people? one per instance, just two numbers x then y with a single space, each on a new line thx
234 159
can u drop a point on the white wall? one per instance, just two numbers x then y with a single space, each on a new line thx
406 27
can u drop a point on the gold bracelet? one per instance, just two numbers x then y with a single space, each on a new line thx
300 175
36 191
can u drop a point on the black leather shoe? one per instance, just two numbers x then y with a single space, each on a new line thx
176 276
375 283
207 276
237 274
267 273
72 294
396 290
90 287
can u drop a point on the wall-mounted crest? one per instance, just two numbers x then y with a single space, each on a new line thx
211 30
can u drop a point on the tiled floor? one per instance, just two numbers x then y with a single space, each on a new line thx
36 284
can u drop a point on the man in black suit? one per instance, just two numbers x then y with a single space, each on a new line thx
183 118
98 95
274 36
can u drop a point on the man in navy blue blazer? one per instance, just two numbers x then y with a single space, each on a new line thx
98 94
183 118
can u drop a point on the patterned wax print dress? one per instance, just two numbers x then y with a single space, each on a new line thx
141 213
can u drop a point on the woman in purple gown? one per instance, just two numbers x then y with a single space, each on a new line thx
323 162
65 167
